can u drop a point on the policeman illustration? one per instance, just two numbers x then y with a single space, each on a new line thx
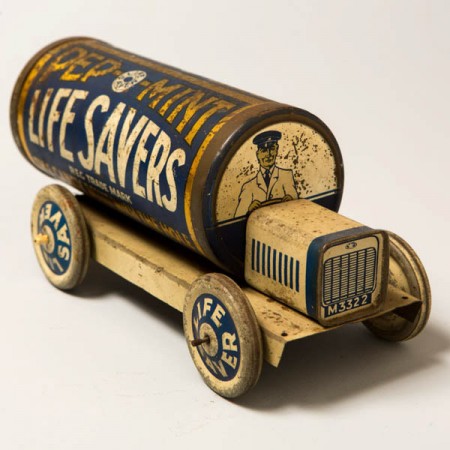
271 183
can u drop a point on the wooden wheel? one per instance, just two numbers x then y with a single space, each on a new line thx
407 273
60 237
223 335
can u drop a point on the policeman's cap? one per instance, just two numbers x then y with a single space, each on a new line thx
267 138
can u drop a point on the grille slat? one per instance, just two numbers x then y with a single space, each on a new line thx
349 275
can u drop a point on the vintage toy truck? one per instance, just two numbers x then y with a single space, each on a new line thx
250 185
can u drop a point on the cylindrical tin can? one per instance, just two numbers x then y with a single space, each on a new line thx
184 155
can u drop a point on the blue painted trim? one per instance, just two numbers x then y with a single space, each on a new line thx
274 265
291 272
280 263
263 259
253 254
258 247
313 261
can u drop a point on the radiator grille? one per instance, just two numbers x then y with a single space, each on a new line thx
350 275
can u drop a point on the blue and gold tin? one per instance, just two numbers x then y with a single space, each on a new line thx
181 154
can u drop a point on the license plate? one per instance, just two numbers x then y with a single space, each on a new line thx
347 305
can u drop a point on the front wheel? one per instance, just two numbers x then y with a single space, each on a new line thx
407 273
223 335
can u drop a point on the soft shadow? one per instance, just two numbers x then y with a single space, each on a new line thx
101 282
315 372
333 367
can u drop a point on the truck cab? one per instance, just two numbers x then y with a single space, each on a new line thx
316 261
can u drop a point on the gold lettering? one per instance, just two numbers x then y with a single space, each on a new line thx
218 313
108 132
33 136
44 105
156 91
230 360
228 342
221 104
179 157
159 153
64 60
173 99
67 118
193 104
102 68
87 161
55 115
62 234
83 62
126 142
141 156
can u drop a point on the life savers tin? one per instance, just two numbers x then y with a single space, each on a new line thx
184 155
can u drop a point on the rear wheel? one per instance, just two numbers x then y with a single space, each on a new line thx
407 273
223 335
60 237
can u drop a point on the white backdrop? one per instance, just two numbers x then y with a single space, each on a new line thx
107 366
